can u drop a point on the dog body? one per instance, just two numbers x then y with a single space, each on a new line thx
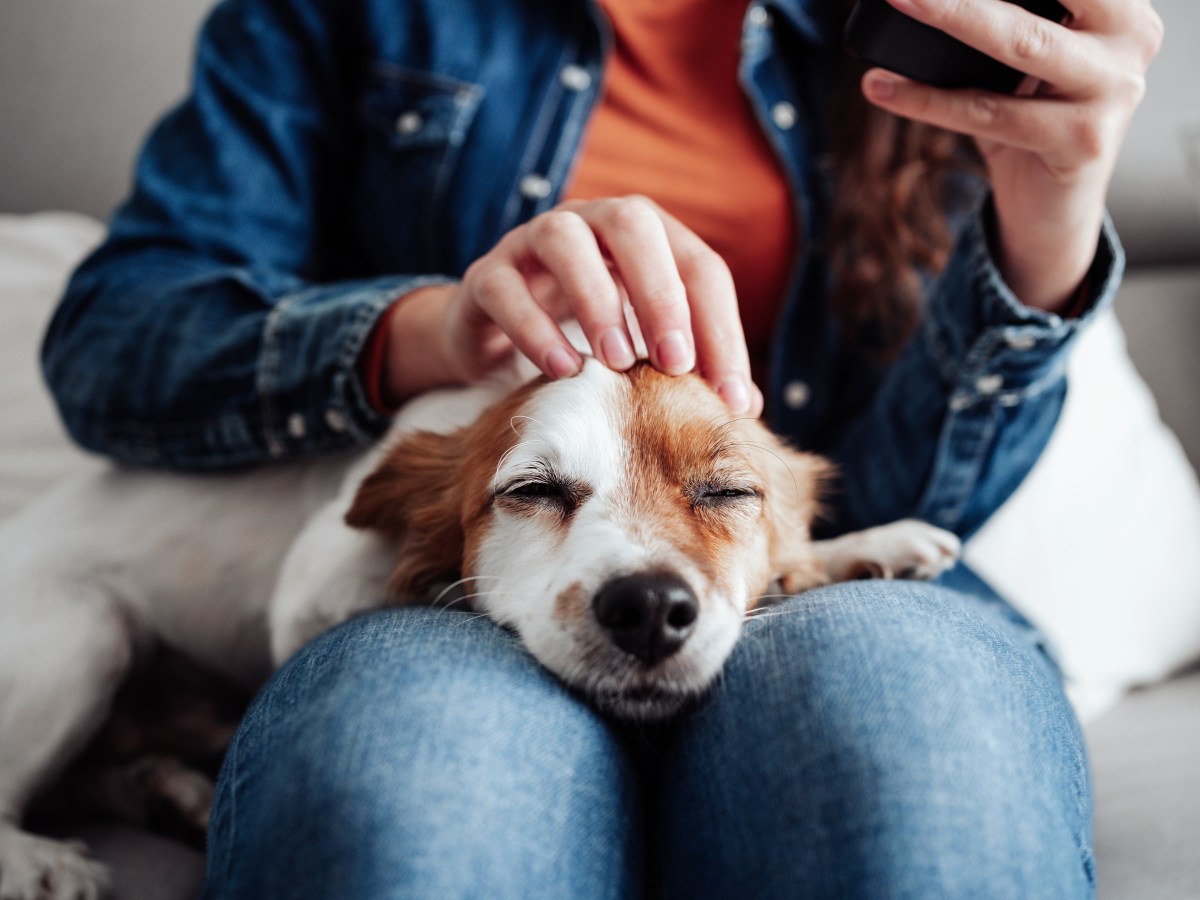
621 524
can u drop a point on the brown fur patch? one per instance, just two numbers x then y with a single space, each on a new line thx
682 437
571 605
430 494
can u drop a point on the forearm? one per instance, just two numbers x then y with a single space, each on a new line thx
164 358
1043 245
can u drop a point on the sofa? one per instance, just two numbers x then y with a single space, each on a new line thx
80 84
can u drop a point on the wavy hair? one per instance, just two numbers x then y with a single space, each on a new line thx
888 220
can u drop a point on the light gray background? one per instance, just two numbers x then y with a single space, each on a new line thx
82 80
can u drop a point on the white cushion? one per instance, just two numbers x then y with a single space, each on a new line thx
1100 546
36 255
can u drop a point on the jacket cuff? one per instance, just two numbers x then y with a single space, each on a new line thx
986 343
309 375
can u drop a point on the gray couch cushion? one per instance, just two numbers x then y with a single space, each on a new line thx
1147 782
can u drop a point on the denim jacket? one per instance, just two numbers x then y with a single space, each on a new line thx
333 156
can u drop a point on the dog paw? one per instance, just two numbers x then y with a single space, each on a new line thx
910 549
37 868
186 793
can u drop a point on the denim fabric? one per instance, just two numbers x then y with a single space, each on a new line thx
334 156
872 739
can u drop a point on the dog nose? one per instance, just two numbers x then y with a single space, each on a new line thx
649 614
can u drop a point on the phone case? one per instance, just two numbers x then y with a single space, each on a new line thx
883 36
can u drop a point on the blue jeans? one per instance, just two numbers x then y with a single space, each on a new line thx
872 739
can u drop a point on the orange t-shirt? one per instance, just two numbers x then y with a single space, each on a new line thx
674 124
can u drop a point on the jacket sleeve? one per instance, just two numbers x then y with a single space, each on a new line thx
213 327
965 412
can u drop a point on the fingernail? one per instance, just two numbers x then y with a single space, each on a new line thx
562 362
882 86
616 349
674 355
734 392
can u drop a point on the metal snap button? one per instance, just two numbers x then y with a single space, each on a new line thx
535 187
796 395
783 114
335 420
575 78
989 384
409 123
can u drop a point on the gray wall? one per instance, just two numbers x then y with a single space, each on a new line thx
82 80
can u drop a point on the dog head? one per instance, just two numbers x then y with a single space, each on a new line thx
621 524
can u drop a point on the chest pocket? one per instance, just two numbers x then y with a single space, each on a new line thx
414 125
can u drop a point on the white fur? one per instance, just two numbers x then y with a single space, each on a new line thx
240 570
574 426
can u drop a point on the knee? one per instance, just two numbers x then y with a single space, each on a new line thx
895 732
414 735
905 655
406 694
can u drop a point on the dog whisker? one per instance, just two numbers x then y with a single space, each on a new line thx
448 588
766 597
504 457
773 613
484 594
513 419
467 619
766 449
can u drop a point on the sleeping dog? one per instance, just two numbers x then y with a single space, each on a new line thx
622 524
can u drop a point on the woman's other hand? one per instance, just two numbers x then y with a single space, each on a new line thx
588 261
1050 154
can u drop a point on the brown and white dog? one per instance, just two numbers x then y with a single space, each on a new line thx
623 525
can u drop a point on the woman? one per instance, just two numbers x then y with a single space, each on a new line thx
358 203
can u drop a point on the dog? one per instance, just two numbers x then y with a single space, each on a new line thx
622 524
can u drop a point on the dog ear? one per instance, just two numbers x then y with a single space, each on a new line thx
414 498
795 482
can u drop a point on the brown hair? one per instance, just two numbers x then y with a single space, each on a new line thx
888 220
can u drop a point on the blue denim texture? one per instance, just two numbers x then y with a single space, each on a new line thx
334 156
871 739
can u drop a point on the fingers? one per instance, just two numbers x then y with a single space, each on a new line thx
634 233
1029 43
498 290
586 259
1066 134
564 243
723 359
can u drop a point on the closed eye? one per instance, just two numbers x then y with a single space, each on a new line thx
537 490
543 493
710 495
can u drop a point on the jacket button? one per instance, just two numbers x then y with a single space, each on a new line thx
1018 341
796 395
989 384
575 78
409 123
760 17
296 427
335 420
535 187
783 114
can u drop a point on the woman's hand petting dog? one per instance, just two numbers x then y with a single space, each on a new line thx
1050 151
623 268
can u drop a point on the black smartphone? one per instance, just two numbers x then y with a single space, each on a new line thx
883 36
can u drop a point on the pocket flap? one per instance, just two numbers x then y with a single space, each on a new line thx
412 109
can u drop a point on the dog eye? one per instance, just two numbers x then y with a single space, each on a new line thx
719 496
538 490
559 495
